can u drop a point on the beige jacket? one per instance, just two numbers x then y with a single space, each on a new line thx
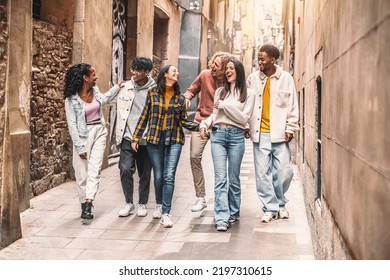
284 112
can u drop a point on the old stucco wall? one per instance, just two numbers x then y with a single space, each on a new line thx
345 42
59 12
98 39
51 149
3 68
145 29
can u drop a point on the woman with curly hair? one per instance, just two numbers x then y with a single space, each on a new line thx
165 114
83 107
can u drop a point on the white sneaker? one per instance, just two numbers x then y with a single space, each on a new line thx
221 227
166 221
199 205
269 217
157 212
283 213
142 211
126 209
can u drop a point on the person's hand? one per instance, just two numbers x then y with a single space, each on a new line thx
134 146
247 133
216 105
288 137
121 84
187 102
83 155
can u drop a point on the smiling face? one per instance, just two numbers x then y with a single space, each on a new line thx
231 74
172 76
140 76
217 68
266 62
91 78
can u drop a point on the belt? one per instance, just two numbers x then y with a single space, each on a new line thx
94 123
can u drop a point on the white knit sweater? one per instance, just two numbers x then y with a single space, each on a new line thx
230 110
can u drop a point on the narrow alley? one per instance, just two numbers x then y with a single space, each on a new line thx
52 228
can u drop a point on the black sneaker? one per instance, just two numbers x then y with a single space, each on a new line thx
82 209
87 211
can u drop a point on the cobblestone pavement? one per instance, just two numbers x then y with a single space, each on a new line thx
52 229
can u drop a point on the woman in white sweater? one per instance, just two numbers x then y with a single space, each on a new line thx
233 106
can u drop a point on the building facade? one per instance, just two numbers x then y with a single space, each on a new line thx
337 51
40 39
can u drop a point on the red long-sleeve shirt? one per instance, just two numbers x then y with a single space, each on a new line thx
205 84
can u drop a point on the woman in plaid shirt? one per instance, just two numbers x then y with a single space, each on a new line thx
164 116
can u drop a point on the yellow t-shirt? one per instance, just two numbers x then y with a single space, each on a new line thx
168 95
265 115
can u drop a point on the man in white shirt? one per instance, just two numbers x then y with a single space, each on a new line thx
272 126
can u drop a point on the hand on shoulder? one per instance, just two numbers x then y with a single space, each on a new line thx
121 84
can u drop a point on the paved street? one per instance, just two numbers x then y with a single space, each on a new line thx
52 228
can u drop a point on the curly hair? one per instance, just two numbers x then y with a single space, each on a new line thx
224 58
240 80
74 79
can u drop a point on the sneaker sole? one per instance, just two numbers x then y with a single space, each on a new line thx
167 226
283 217
142 215
122 215
222 229
198 210
86 221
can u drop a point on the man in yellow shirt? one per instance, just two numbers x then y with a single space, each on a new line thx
272 126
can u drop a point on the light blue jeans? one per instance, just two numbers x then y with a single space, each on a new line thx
164 161
274 172
227 149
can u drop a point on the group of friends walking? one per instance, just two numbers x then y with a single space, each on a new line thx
151 116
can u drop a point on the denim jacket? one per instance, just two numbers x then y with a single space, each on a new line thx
75 115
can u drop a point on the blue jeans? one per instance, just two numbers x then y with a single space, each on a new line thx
227 149
164 162
274 172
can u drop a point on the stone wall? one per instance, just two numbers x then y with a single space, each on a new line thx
51 148
3 67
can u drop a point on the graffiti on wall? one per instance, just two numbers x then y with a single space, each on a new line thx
119 14
118 40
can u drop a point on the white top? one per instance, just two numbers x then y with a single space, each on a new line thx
231 111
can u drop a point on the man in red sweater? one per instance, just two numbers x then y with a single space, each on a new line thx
206 83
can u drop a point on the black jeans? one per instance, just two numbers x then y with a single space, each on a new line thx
127 165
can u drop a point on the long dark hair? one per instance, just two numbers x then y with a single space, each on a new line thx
74 79
161 81
240 80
